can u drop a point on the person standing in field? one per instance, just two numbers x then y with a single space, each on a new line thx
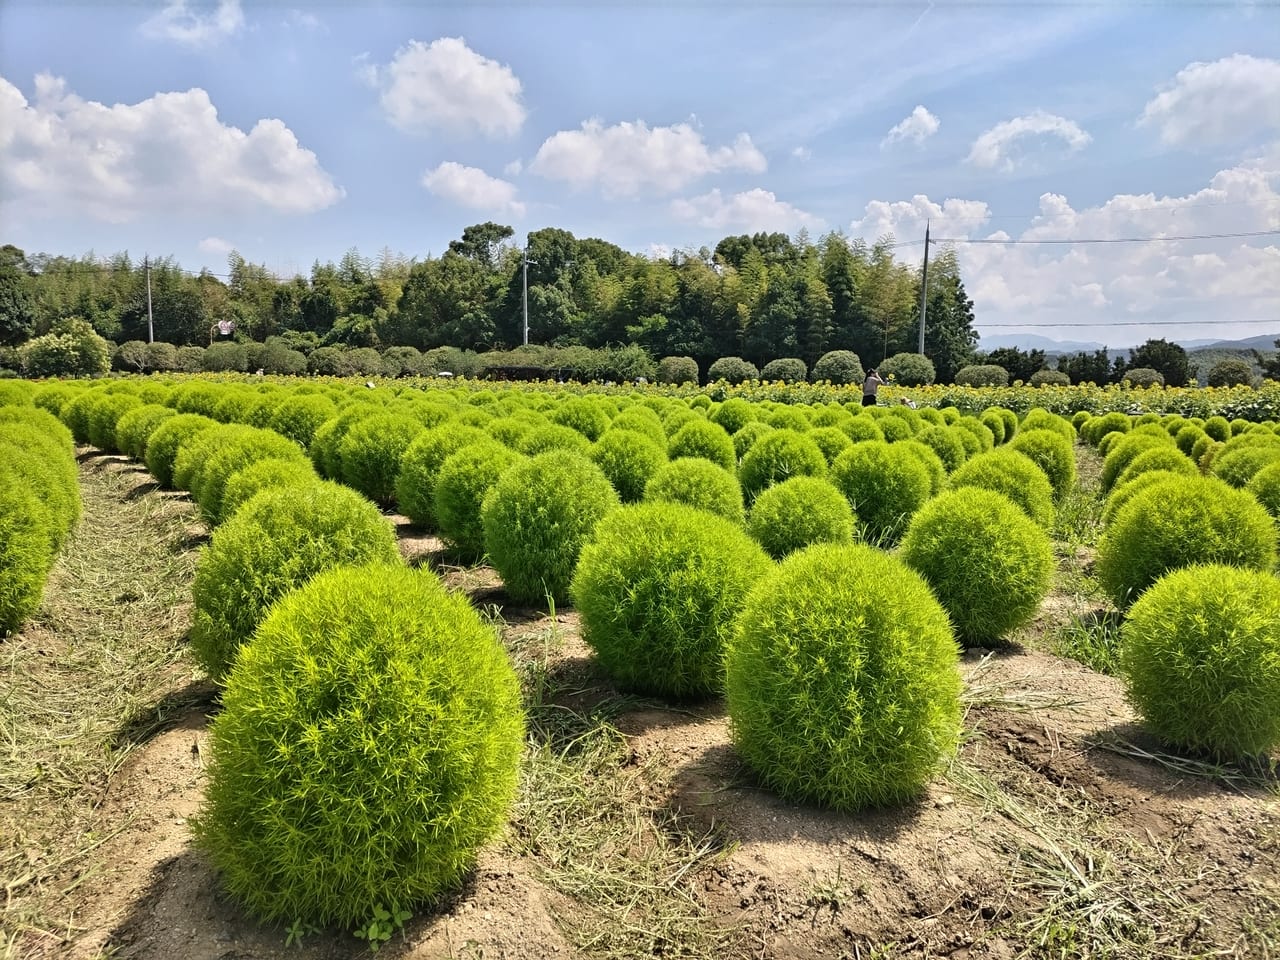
869 388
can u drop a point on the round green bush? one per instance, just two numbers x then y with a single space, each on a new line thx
1237 467
196 452
979 431
1038 418
732 370
832 441
1143 377
236 454
1015 476
678 370
842 680
1200 655
629 460
1166 458
553 436
734 414
1177 523
134 428
697 482
262 475
1047 378
677 416
368 745
746 437
929 460
326 441
702 438
995 423
908 370
1123 451
583 414
420 463
1121 493
861 428
298 417
982 375
1053 454
75 413
168 439
777 456
536 519
103 417
789 417
885 484
895 428
272 544
371 451
658 586
1219 428
840 367
786 369
798 512
1265 486
463 480
26 549
944 442
989 564
1097 428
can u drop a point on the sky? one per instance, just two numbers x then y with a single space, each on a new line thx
1023 133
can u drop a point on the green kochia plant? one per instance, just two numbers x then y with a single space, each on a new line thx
1200 654
988 562
537 517
368 745
421 462
884 484
274 543
842 679
1014 475
777 456
698 483
658 587
464 479
798 512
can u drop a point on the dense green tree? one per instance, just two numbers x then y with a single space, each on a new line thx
1170 360
1020 364
481 242
1084 367
17 312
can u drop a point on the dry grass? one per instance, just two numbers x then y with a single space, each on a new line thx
96 672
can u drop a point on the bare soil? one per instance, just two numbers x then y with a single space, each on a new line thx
1060 830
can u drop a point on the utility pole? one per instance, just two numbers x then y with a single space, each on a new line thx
151 330
527 261
924 287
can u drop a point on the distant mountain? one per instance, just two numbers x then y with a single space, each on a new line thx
1266 341
1031 341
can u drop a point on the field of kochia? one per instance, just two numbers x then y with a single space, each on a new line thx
818 564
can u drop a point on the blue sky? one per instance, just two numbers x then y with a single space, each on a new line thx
294 133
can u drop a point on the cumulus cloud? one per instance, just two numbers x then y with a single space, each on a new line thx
802 153
514 168
629 158
1220 102
186 24
215 246
168 152
918 127
446 87
472 187
1189 280
751 211
998 146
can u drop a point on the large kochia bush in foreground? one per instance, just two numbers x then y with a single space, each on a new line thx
368 745
658 587
272 544
1200 653
842 679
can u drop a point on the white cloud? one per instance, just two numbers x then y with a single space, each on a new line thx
215 246
751 211
445 86
996 147
186 24
305 21
514 168
167 153
917 128
802 153
629 158
1220 102
472 187
1214 281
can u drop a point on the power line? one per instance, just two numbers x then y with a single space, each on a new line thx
1133 323
1197 236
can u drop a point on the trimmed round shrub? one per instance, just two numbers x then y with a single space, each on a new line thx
832 441
699 483
40 464
1010 421
1049 378
928 459
1015 476
583 414
908 370
944 442
1202 448
886 485
702 438
1166 458
828 415
261 475
272 544
415 483
135 427
746 437
536 519
1238 466
298 417
167 440
734 414
983 434
1265 486
795 513
1143 377
1217 427
326 442
968 439
1231 372
368 745
777 456
658 586
982 375
1122 452
103 417
678 370
894 428
1080 418
1187 437
732 370
789 417
861 428
1177 523
842 681
1115 422
786 369
988 563
553 436
1038 418
840 367
462 482
1053 454
628 459
1121 493
677 416
1200 655
196 452
371 451
26 549
995 423
235 455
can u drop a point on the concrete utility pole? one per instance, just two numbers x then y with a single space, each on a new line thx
527 261
924 287
151 330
